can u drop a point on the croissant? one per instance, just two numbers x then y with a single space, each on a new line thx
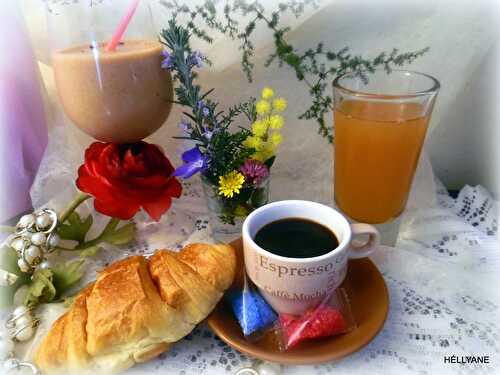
136 309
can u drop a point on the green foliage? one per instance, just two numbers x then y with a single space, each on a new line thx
67 275
111 235
90 251
40 289
47 285
227 154
8 262
269 162
76 229
118 236
316 67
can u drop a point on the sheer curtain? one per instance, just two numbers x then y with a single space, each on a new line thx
23 132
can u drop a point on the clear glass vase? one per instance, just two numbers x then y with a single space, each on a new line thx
227 214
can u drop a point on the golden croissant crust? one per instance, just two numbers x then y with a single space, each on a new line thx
136 309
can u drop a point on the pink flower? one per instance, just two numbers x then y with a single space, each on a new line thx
254 171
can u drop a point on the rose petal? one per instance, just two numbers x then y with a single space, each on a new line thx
122 178
94 150
120 210
174 188
158 208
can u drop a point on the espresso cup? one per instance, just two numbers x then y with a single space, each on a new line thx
292 285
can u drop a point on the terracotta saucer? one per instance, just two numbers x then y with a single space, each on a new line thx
369 302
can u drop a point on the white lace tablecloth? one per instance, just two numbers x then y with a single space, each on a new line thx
440 278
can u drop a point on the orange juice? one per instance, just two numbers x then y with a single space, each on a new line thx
377 147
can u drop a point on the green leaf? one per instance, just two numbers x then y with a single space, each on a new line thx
245 194
259 197
269 162
120 236
8 262
41 289
66 275
76 229
90 251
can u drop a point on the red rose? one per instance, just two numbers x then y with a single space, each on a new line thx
125 177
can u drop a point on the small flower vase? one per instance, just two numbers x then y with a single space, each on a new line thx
227 214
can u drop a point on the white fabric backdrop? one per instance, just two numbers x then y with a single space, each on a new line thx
461 35
443 259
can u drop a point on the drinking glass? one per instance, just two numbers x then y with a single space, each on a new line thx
381 120
122 95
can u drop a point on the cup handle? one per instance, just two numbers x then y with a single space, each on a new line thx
367 248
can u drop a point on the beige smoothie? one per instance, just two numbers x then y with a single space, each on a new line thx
120 96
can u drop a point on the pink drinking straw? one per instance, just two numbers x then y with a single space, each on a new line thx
120 30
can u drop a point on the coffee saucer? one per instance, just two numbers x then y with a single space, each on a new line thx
369 299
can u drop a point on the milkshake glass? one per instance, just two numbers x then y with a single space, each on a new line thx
118 96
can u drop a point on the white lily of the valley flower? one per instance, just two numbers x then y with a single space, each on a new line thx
7 278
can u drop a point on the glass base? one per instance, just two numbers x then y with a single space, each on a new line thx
223 232
389 232
228 214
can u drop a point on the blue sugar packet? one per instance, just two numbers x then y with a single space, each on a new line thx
251 310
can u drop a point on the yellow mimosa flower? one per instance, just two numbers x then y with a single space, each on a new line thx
267 120
275 138
279 104
252 142
260 156
264 151
263 107
267 93
230 184
259 128
276 122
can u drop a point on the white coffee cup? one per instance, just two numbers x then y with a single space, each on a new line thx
291 285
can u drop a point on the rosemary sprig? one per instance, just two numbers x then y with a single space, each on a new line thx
205 124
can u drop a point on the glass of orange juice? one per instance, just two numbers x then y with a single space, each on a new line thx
381 121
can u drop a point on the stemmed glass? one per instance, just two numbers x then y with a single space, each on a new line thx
121 95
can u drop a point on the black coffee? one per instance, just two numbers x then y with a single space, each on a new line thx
296 238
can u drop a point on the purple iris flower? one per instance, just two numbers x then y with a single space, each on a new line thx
167 62
196 59
194 162
206 111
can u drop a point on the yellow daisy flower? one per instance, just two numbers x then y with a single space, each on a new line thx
263 107
252 142
279 104
230 184
259 128
276 138
276 122
267 93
